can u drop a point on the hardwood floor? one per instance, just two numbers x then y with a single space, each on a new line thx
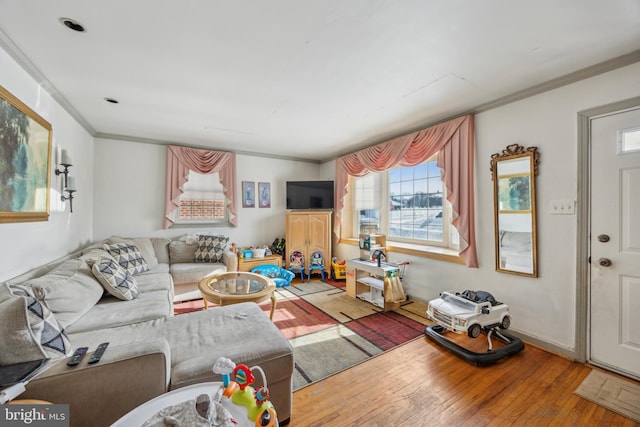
420 384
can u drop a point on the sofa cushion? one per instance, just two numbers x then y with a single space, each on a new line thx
69 291
210 248
194 272
156 279
180 251
198 339
161 248
114 313
154 301
128 256
28 329
262 343
115 279
92 255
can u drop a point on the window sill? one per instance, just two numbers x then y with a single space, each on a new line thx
433 252
200 224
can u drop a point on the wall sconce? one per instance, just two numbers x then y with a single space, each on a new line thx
65 162
70 188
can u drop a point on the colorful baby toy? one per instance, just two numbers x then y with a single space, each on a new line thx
259 409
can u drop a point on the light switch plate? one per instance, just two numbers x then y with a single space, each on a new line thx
562 207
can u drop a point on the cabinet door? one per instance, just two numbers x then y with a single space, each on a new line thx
296 236
320 236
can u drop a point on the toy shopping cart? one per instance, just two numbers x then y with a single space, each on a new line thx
338 268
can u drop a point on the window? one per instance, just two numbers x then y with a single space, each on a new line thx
219 167
415 212
367 203
415 193
630 140
202 201
453 139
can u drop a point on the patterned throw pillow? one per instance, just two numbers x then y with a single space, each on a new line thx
128 256
210 248
29 330
115 279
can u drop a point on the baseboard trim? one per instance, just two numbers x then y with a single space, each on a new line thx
544 345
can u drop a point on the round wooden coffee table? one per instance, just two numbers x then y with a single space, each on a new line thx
237 286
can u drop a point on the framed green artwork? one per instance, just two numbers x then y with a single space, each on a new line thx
514 193
25 167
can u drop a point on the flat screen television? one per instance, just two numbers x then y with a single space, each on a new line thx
310 195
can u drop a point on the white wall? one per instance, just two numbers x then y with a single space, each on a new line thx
129 199
30 244
130 182
543 307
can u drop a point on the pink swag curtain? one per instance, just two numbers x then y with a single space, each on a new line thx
180 160
453 141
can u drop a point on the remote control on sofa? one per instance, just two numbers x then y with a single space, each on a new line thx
77 356
95 358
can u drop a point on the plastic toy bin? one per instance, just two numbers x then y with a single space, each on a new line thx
339 270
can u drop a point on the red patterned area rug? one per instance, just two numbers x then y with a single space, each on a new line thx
331 331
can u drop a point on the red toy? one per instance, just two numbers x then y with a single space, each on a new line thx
243 375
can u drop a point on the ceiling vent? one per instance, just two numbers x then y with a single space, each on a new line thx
73 25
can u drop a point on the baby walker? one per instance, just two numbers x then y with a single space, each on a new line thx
472 312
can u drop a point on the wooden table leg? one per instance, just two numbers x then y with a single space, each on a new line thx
273 304
206 303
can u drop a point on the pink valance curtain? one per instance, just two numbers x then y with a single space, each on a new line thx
180 160
453 141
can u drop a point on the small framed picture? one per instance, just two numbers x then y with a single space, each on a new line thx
248 194
264 191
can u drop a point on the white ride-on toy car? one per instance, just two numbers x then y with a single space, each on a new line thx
472 312
469 312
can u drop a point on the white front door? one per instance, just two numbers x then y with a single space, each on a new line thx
615 242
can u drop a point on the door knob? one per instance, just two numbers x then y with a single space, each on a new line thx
604 262
603 238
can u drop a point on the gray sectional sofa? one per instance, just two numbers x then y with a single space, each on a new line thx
150 351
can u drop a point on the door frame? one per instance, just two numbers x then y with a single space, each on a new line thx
583 212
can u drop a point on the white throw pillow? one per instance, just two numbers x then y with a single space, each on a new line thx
115 279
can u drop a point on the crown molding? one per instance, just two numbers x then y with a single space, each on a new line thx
23 60
567 79
582 74
128 138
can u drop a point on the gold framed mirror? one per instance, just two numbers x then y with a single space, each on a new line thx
513 172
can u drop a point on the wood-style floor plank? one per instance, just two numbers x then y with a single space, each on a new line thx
420 384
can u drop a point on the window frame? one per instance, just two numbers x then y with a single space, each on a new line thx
217 191
446 250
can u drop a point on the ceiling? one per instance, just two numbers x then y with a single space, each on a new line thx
305 79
